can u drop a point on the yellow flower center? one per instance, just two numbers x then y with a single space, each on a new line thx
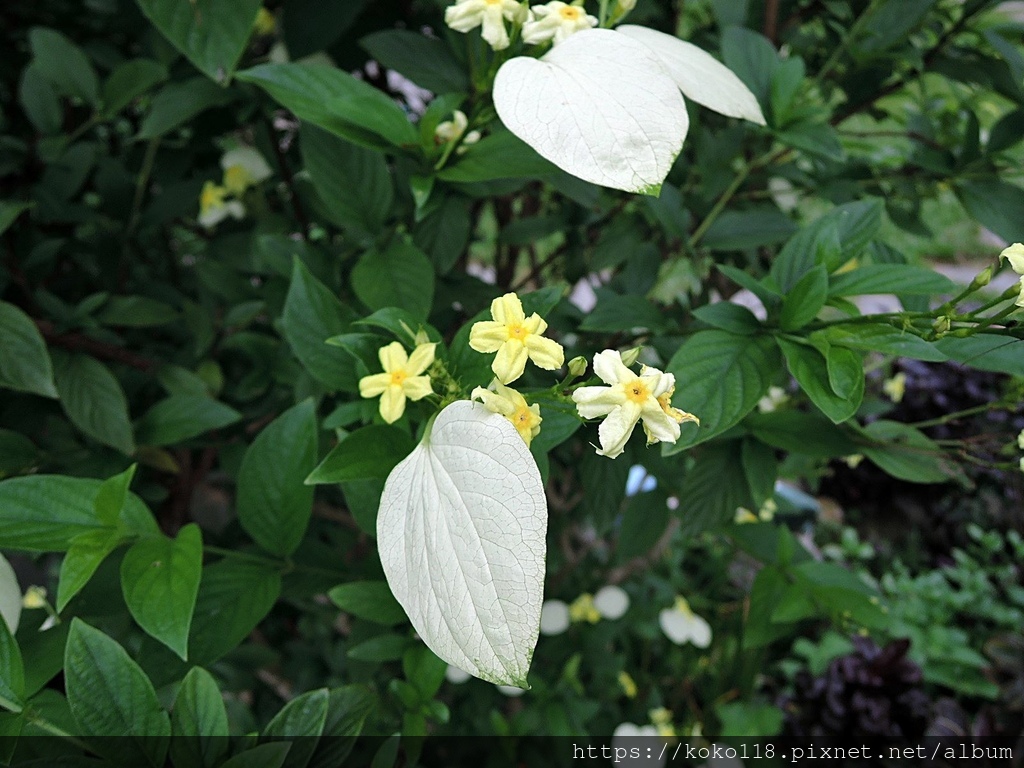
211 197
570 13
637 391
398 377
517 331
237 179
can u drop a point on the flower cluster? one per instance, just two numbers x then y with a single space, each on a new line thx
552 22
243 168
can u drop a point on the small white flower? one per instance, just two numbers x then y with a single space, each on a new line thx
554 617
1020 440
1015 255
895 387
452 130
628 399
555 21
491 15
681 625
456 675
244 167
775 397
611 602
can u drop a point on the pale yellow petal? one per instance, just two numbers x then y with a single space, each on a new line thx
508 310
421 358
417 387
545 353
392 404
609 368
658 425
595 402
393 357
371 386
493 402
1015 255
487 336
616 429
510 362
535 324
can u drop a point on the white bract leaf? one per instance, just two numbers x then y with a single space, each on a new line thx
10 596
600 106
698 74
461 532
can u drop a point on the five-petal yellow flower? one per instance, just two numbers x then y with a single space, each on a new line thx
513 406
515 337
401 379
630 398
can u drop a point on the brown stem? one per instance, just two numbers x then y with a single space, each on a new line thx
771 20
289 180
79 342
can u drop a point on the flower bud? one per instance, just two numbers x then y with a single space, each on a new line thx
941 325
626 5
577 367
982 279
35 597
630 356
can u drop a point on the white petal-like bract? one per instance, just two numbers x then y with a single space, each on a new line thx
698 74
600 106
10 596
461 532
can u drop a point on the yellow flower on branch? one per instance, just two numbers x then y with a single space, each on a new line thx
401 379
513 406
583 609
516 338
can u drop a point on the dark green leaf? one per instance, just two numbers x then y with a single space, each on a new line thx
1006 133
643 523
176 103
810 369
24 362
112 496
424 60
302 721
729 317
752 57
742 230
986 351
273 504
720 376
44 513
211 34
714 488
128 81
623 313
94 401
370 452
137 312
40 102
801 433
805 299
262 756
9 213
199 722
12 671
995 204
380 649
160 581
885 339
181 417
905 452
370 600
501 155
63 64
233 598
85 554
398 276
17 454
902 279
333 163
347 709
110 695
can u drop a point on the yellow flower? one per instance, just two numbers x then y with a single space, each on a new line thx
35 597
265 22
1015 255
401 379
515 337
628 685
661 718
583 609
214 208
744 515
555 21
244 167
491 15
513 406
895 387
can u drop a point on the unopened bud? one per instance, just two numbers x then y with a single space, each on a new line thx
35 597
630 356
421 337
982 279
626 5
577 367
941 325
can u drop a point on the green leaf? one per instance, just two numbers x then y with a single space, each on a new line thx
729 317
623 313
44 513
310 26
273 504
24 362
997 205
753 228
112 495
93 400
805 299
424 670
301 721
905 452
179 102
502 155
85 554
753 58
426 61
136 312
160 581
370 600
985 351
444 234
12 670
128 81
333 163
720 377
337 102
261 756
370 452
199 722
845 372
398 276
1007 132
233 598
810 369
18 454
768 295
110 695
63 64
313 314
40 102
9 213
832 240
818 139
379 649
885 339
643 523
749 719
901 279
181 417
800 433
211 34
401 323
347 710
714 488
